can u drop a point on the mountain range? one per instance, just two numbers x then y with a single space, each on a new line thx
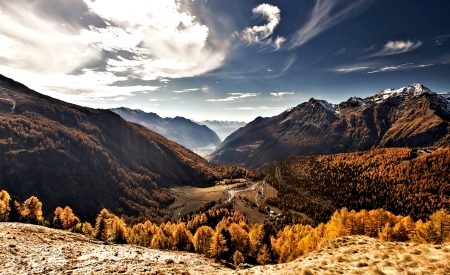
91 159
223 128
179 129
412 116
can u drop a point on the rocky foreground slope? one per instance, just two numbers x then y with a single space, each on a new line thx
31 249
412 116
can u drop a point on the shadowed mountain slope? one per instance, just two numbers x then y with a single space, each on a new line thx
410 116
88 158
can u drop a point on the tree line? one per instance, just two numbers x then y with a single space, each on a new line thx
226 235
395 179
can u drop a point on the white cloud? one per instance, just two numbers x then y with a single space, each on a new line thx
188 90
398 47
352 69
260 35
234 96
40 45
257 109
167 42
280 94
324 16
156 41
391 68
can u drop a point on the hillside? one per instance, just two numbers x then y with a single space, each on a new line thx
412 116
28 248
400 180
179 129
89 158
363 255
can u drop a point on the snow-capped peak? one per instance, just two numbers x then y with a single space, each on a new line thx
415 89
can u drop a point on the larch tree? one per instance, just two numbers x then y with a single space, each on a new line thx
238 258
5 207
441 222
218 245
102 229
263 255
181 237
202 239
31 211
64 218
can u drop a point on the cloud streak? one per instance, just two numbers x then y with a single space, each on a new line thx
398 47
280 94
325 15
399 67
234 96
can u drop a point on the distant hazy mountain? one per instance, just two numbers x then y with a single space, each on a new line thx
179 129
223 128
410 116
92 159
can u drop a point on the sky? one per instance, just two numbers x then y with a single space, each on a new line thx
223 59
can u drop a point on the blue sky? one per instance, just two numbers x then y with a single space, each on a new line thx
223 59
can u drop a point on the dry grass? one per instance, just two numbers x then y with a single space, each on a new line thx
363 255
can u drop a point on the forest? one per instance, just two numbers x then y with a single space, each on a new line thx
402 181
226 235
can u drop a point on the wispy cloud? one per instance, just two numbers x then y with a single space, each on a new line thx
234 96
325 15
257 109
352 69
399 67
280 94
188 90
398 47
261 35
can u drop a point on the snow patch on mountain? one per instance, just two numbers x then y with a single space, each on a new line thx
328 106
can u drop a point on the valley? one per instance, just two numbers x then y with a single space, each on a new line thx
244 196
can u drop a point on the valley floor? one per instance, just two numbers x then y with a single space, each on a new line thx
31 249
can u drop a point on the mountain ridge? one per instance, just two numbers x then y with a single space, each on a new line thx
179 129
410 116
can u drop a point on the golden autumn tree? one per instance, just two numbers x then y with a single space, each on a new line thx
217 245
202 239
238 258
102 229
31 211
263 255
64 218
441 222
84 228
181 237
5 207
239 237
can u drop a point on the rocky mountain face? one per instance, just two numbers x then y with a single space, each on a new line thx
223 128
410 116
91 159
179 129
